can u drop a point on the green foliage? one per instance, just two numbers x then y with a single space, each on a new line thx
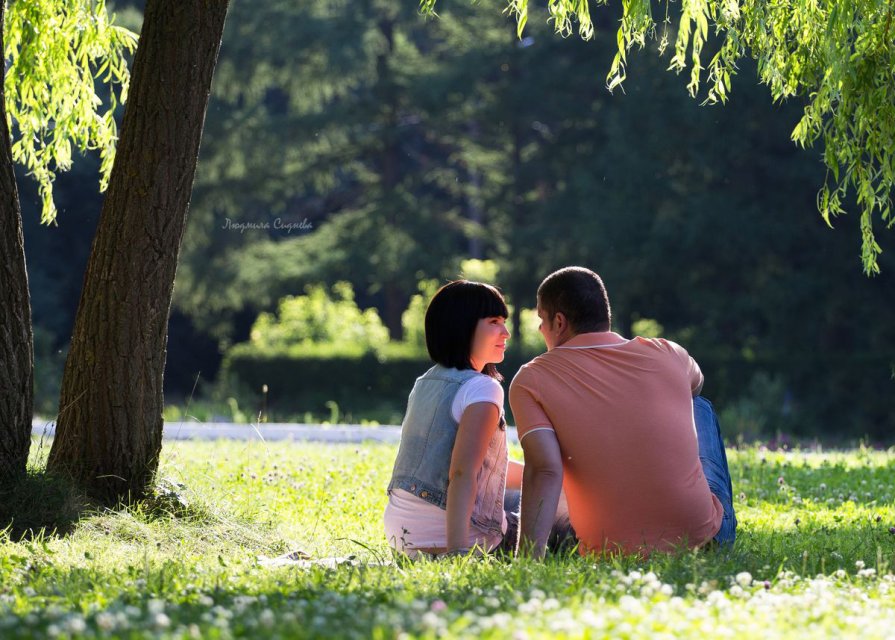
372 386
48 365
364 385
413 320
56 54
813 542
480 271
529 337
836 55
647 328
320 322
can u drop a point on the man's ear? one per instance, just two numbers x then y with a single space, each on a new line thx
560 322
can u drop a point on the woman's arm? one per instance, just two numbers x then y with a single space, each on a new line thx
477 426
514 475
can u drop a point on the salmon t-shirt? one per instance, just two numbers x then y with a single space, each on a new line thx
622 412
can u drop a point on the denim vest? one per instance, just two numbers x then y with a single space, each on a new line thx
427 442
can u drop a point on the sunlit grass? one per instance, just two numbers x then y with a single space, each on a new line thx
814 558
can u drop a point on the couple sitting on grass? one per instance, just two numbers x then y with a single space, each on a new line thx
621 453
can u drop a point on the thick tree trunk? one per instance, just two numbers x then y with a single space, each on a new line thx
16 349
109 430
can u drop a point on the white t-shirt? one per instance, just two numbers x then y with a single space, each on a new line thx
410 521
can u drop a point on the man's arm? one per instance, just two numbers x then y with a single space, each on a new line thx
698 388
541 486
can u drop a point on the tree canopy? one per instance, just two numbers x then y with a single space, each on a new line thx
837 56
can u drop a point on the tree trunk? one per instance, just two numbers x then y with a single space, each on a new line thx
109 430
16 348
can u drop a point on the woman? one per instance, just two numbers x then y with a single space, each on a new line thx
446 493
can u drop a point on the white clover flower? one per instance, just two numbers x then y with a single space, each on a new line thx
53 631
630 604
221 612
105 621
161 621
75 625
205 601
551 604
289 618
155 606
859 564
867 573
744 579
502 620
431 620
267 618
667 590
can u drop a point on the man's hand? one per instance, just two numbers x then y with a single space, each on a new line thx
541 486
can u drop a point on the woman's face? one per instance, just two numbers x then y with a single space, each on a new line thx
489 342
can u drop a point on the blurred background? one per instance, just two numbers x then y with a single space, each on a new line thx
357 155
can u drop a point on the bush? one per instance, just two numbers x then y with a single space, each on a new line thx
330 321
372 386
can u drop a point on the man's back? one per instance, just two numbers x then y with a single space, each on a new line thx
622 412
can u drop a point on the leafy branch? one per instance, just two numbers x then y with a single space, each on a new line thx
56 53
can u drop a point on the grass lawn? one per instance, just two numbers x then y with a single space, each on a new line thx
814 559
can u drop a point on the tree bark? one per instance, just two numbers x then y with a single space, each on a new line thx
109 429
16 340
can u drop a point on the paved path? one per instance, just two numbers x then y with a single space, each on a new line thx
268 431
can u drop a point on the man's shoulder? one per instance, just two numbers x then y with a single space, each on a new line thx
532 368
660 344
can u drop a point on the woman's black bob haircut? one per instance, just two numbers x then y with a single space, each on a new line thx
451 319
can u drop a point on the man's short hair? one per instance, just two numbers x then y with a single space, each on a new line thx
579 294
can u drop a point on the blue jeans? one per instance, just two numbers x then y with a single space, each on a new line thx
714 465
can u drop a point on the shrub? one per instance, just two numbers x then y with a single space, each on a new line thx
330 321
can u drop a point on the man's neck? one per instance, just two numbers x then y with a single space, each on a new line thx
566 337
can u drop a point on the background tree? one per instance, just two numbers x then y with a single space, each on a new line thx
699 217
16 359
836 54
109 428
366 137
55 52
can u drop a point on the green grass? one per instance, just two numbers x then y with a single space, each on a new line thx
814 559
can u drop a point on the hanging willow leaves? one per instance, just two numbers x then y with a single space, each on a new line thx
57 52
838 56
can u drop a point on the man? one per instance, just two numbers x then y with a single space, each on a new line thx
620 425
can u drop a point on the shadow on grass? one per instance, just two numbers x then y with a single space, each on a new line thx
38 504
41 504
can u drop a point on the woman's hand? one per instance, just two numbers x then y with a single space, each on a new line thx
477 426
